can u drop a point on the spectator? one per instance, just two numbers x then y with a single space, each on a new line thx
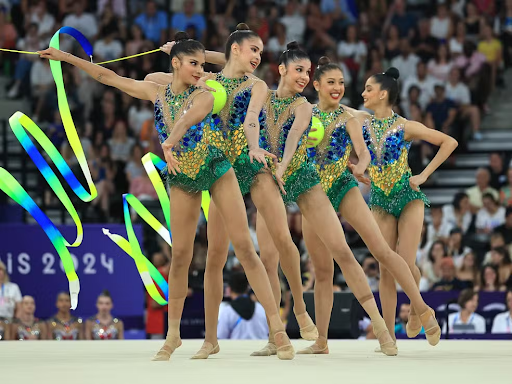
83 21
457 41
466 320
490 216
432 266
440 66
468 271
277 43
407 63
186 19
475 193
459 93
118 7
371 270
412 99
10 295
492 49
26 326
500 259
257 23
403 317
64 326
474 22
438 229
45 22
441 24
503 27
398 16
8 33
423 43
392 45
497 241
110 22
458 214
242 318
294 22
423 81
497 170
441 112
154 23
121 144
456 248
502 323
449 281
506 191
103 326
489 280
108 48
506 229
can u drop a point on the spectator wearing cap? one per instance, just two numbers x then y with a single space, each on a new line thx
490 216
187 19
449 281
503 322
441 112
242 318
475 193
466 320
154 23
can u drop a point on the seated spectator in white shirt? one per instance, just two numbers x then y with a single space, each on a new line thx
490 216
242 318
458 213
503 322
108 48
406 62
424 82
10 295
475 193
438 229
466 320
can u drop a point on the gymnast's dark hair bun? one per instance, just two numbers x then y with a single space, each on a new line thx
324 60
292 45
242 27
180 36
393 72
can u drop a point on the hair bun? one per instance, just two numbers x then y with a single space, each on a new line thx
180 36
242 27
324 60
292 45
393 72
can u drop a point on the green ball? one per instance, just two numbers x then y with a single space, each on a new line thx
219 95
318 135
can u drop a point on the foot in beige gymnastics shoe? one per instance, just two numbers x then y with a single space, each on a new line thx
285 349
387 344
320 347
206 350
269 350
170 345
432 329
413 326
308 330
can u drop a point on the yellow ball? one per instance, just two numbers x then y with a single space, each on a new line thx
318 135
219 95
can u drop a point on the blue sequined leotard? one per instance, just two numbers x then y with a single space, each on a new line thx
389 170
301 175
230 135
330 156
201 163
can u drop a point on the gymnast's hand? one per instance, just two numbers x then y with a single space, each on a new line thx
172 163
279 176
358 171
167 47
416 181
259 155
53 54
201 83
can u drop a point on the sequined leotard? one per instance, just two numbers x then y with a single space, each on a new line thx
301 175
201 163
64 330
104 332
230 136
330 156
24 332
389 169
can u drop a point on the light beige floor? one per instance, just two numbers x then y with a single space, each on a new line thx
350 362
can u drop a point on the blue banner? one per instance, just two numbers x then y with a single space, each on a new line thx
35 266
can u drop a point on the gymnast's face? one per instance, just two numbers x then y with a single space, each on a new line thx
248 53
331 87
189 68
63 302
296 74
104 305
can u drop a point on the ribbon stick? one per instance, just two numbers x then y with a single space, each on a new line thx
20 125
147 271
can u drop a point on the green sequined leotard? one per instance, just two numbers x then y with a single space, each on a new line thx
201 163
330 156
301 175
389 170
230 135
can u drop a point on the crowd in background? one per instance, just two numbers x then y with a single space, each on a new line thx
451 55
